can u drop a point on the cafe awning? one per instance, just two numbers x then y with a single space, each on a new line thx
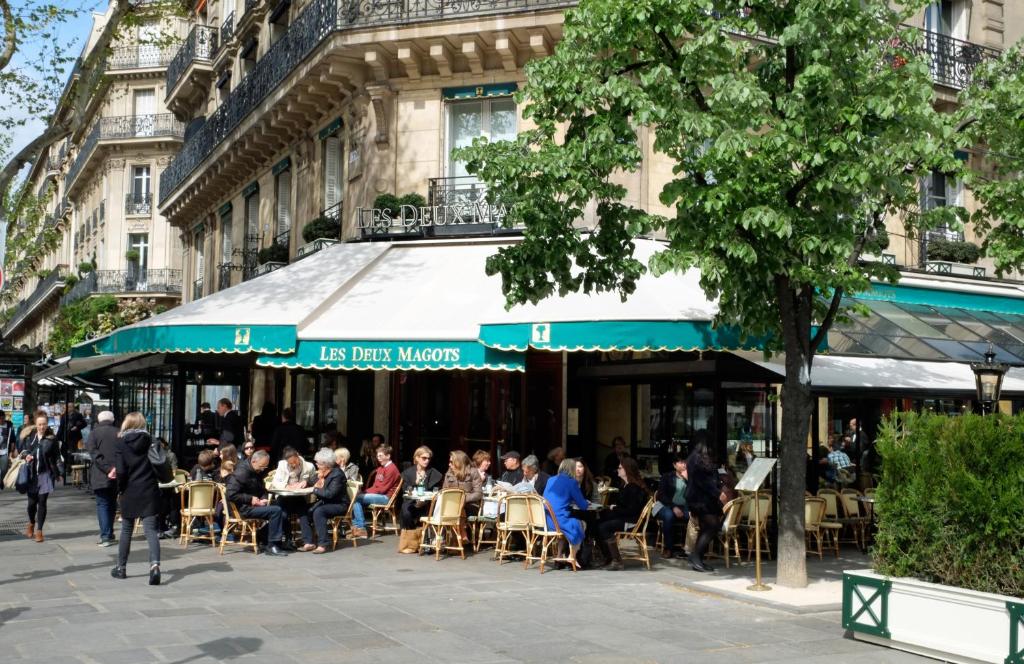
666 313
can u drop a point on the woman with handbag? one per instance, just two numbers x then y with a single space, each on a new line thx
42 458
138 485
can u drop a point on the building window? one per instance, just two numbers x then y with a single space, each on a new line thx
939 190
333 190
947 17
283 188
139 243
149 45
226 244
198 241
138 199
144 107
494 119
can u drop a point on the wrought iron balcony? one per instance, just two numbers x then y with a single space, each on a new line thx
138 203
199 46
125 282
227 31
124 127
48 286
139 56
197 289
952 61
317 22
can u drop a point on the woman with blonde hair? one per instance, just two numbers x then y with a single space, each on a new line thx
462 475
343 457
41 453
138 485
418 475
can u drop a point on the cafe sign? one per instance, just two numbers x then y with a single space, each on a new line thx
410 219
395 356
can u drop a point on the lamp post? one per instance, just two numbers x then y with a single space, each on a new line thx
988 376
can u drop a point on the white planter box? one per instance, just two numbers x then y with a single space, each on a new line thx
960 269
943 622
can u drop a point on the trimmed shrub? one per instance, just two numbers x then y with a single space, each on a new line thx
85 267
275 253
951 501
388 202
953 251
322 227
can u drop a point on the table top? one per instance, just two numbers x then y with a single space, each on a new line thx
426 495
291 492
866 499
173 484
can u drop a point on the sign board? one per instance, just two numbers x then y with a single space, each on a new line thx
756 474
12 370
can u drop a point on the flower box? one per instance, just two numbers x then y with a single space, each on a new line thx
944 622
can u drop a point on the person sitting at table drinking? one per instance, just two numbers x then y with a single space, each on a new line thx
331 491
462 475
203 471
482 463
383 482
672 496
419 476
563 493
246 489
342 458
630 502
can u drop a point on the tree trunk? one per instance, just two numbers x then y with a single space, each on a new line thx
797 404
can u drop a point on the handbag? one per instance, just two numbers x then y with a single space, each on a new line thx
24 481
11 477
161 464
409 538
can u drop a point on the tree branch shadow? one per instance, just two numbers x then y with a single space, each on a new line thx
224 649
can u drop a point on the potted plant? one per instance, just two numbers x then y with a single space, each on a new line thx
322 228
946 580
275 253
69 283
85 267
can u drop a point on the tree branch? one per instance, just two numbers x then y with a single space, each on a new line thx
30 153
10 35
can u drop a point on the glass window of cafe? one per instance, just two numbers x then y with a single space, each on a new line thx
341 402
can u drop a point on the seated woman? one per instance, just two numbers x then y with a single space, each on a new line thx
342 457
330 490
418 475
630 502
482 463
586 481
563 494
462 475
226 468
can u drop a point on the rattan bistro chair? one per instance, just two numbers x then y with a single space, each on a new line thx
234 522
730 534
852 516
345 520
445 519
514 519
201 504
540 533
388 510
638 535
814 511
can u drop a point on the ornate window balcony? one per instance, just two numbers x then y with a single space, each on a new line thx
138 203
189 73
139 56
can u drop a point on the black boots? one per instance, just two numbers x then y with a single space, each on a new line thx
616 557
154 574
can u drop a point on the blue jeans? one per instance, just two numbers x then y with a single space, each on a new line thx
106 506
274 517
668 519
358 520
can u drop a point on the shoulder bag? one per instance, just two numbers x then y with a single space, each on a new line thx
161 464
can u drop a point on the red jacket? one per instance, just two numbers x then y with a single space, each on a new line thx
385 479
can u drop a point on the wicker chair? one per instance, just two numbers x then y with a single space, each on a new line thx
235 522
730 534
445 519
388 510
201 504
851 515
514 519
638 535
748 524
814 511
539 530
336 523
479 523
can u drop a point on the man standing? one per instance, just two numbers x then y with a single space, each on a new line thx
206 422
385 480
532 474
858 440
8 445
230 424
513 472
246 489
102 477
288 434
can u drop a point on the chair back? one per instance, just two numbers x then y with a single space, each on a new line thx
450 503
551 513
852 492
231 512
202 495
537 512
180 476
752 510
733 511
394 494
851 506
645 514
831 497
814 510
517 511
352 487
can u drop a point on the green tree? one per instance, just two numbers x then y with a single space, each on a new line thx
797 128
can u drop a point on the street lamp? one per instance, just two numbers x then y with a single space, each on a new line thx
989 378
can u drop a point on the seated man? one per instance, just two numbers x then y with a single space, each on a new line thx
513 473
842 470
672 496
293 472
331 490
204 468
534 475
246 489
384 481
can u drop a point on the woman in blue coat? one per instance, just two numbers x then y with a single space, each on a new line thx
562 493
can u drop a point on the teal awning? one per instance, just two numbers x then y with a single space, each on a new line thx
269 339
612 335
395 356
1010 303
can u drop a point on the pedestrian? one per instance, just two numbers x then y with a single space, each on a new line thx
702 498
101 446
139 489
42 453
8 445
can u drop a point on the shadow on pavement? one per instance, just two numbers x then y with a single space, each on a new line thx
172 575
10 614
225 649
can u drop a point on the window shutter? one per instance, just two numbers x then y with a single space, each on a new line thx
332 169
252 215
226 246
284 202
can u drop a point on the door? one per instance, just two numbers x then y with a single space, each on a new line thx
144 105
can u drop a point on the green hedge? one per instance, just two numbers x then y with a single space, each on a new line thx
955 251
951 501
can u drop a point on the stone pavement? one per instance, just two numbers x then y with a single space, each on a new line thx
59 604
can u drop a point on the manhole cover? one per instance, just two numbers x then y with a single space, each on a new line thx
11 528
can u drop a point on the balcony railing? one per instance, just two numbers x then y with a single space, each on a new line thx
952 61
138 203
199 46
224 276
41 292
139 56
227 31
314 25
123 127
197 288
125 282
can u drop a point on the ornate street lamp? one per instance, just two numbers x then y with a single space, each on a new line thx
989 378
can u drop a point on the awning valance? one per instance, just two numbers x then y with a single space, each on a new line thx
396 356
192 339
616 335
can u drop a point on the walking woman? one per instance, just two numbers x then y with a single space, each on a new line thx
42 456
140 494
702 497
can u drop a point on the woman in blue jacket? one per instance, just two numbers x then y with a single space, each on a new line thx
563 493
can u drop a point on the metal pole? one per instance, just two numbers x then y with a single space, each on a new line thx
758 586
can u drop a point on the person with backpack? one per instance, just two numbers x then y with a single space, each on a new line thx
138 486
42 458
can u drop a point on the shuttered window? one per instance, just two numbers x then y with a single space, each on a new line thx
284 202
332 171
252 215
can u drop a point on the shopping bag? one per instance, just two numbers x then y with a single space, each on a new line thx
12 473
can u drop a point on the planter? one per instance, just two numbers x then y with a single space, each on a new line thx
269 266
948 267
930 619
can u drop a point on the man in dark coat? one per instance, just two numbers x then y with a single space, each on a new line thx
246 489
101 445
230 425
288 434
513 470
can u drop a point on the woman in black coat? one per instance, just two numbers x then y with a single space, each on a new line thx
629 504
702 497
139 488
331 493
41 453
